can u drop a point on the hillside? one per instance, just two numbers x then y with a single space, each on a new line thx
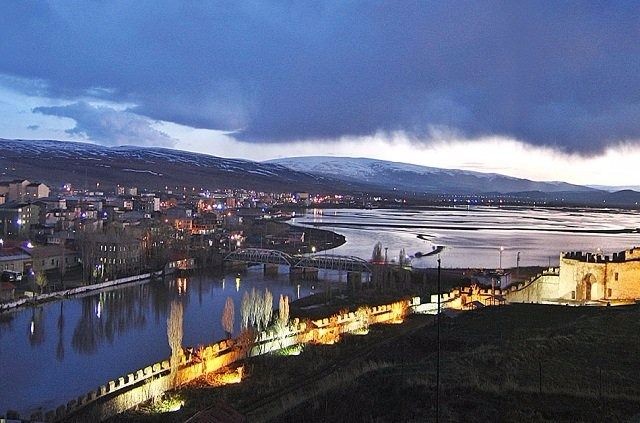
387 175
84 165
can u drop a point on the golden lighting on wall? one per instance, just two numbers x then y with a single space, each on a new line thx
227 377
399 312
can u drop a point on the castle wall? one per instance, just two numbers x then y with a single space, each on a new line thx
584 277
542 287
608 280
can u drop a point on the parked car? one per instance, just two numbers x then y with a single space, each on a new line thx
10 276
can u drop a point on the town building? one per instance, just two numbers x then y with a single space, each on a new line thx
116 255
14 259
16 219
23 190
52 258
36 190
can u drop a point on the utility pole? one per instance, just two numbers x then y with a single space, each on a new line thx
518 264
438 344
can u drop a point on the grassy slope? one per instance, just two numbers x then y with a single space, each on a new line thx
490 371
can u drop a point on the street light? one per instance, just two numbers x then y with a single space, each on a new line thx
501 250
313 249
438 347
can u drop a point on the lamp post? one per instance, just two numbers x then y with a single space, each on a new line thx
438 347
518 264
500 262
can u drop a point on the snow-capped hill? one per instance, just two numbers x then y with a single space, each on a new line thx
414 178
85 164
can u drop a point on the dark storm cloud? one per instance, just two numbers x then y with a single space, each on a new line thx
108 126
561 74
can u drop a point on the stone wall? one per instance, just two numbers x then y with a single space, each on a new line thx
598 278
542 287
125 392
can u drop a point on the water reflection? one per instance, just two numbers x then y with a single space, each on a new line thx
60 346
36 326
56 351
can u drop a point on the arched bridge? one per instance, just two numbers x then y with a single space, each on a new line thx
320 261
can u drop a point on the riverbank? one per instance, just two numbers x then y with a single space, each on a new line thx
290 238
83 289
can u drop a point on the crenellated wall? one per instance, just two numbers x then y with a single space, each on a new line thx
542 287
125 392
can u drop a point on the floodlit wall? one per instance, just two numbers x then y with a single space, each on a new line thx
121 394
542 287
597 277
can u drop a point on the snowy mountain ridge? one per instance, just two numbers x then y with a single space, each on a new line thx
411 177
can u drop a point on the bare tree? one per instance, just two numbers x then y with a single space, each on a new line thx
267 307
86 241
253 317
174 335
283 310
377 256
402 258
228 315
41 280
63 265
245 311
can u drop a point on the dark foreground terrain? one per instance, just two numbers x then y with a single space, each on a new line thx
513 363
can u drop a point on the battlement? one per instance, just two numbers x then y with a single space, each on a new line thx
619 257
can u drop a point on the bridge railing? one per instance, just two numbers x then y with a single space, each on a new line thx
324 261
259 255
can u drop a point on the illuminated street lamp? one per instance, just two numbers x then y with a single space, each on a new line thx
313 249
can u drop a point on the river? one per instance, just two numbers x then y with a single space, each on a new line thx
54 352
473 236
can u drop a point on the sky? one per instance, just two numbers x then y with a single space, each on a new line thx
541 90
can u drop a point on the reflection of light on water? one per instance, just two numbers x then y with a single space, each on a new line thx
99 309
237 283
298 291
182 286
223 281
32 328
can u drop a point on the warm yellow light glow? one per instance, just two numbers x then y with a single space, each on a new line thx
228 377
182 285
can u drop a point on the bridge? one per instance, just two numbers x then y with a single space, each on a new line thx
319 261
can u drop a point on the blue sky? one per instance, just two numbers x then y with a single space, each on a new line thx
546 90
